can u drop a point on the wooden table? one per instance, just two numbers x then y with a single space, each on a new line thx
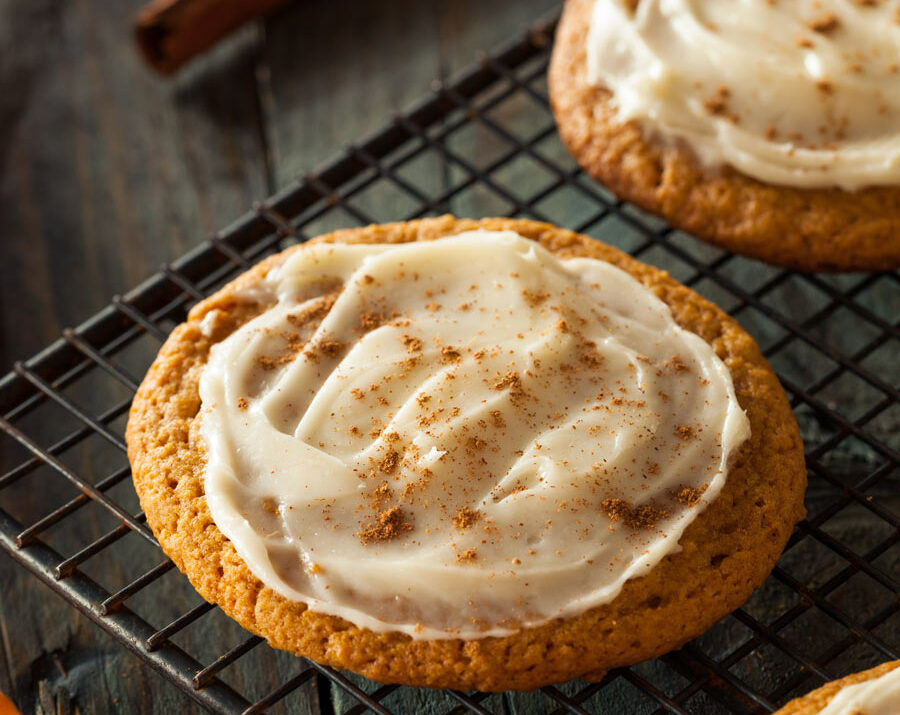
108 171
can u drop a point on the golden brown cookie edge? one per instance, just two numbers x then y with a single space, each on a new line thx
814 701
805 229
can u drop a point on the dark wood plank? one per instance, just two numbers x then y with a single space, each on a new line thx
107 172
336 69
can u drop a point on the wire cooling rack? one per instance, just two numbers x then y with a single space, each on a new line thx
483 144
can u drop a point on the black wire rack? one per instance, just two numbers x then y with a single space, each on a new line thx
481 144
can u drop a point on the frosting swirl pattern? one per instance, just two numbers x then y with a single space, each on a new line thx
460 437
801 93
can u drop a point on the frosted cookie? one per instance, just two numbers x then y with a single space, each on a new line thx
871 692
474 454
768 128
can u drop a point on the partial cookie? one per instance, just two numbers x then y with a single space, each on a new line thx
807 229
812 703
725 553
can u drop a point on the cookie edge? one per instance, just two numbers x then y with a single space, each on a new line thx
178 515
813 230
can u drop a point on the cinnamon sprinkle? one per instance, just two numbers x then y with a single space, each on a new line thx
369 320
317 311
642 517
675 366
410 488
450 354
329 348
592 359
824 24
465 517
381 495
390 462
535 298
413 344
690 496
717 106
389 524
509 380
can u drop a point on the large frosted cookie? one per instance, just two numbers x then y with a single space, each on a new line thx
871 692
474 454
769 129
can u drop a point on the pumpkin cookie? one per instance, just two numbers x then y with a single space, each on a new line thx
788 154
506 458
882 697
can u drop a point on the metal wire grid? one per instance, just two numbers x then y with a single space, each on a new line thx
829 607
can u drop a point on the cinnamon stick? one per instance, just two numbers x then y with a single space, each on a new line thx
171 32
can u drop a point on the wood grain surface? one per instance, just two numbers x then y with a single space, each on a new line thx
107 171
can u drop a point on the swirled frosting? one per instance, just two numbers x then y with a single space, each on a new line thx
795 92
878 696
460 437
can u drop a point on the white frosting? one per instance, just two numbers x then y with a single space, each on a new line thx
489 403
797 92
879 696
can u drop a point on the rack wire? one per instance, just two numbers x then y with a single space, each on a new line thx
481 144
